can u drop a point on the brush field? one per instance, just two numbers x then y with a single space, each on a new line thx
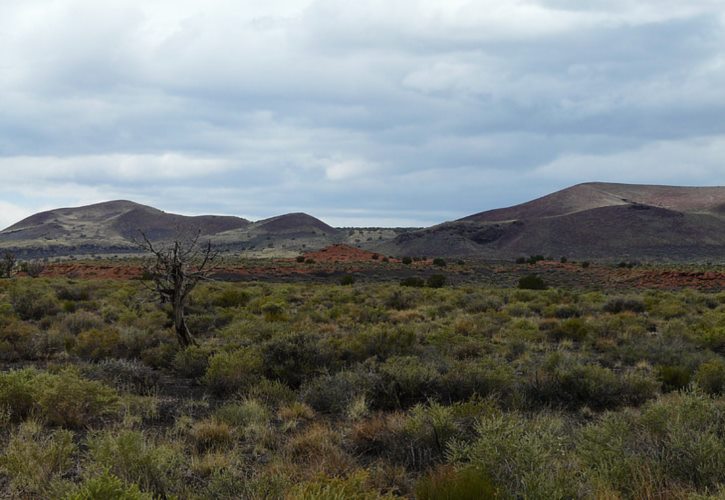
312 390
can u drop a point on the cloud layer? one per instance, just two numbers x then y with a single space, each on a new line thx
402 112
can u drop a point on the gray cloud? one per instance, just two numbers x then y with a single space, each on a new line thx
405 112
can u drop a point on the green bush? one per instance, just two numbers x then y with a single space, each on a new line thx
34 458
672 442
524 457
674 378
447 483
33 302
347 280
192 362
407 261
292 358
106 486
231 297
62 399
710 376
532 282
413 281
233 371
439 262
436 281
131 456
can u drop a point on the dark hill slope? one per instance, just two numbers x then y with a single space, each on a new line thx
595 220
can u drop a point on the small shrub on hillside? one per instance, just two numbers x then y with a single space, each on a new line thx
447 483
347 280
33 302
673 378
62 399
98 344
134 458
107 486
399 301
300 258
532 282
192 362
619 305
333 394
231 297
710 377
413 281
574 329
525 458
439 262
34 458
406 380
292 358
211 434
407 261
233 371
436 281
123 374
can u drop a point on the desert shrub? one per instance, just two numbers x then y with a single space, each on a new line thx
34 458
18 340
465 380
673 377
192 362
347 280
243 413
272 393
673 441
532 282
430 428
334 393
32 302
575 385
81 321
436 281
131 456
108 487
413 281
98 344
234 370
353 487
68 400
524 457
585 264
231 297
292 358
406 260
380 342
406 380
621 304
439 262
447 483
211 434
273 311
574 329
62 399
399 300
123 374
710 376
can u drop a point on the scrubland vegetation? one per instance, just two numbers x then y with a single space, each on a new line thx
360 391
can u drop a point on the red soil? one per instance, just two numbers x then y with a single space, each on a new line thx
344 253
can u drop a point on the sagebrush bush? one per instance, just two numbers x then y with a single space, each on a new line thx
133 457
107 486
233 371
33 458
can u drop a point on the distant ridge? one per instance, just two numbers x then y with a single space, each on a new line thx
592 220
595 220
113 228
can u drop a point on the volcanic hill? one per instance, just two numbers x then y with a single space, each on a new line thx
593 220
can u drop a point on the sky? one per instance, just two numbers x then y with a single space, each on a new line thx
360 112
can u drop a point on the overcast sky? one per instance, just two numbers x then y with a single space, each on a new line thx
360 112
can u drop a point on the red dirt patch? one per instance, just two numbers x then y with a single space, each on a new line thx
90 271
344 253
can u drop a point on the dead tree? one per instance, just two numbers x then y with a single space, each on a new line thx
175 270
